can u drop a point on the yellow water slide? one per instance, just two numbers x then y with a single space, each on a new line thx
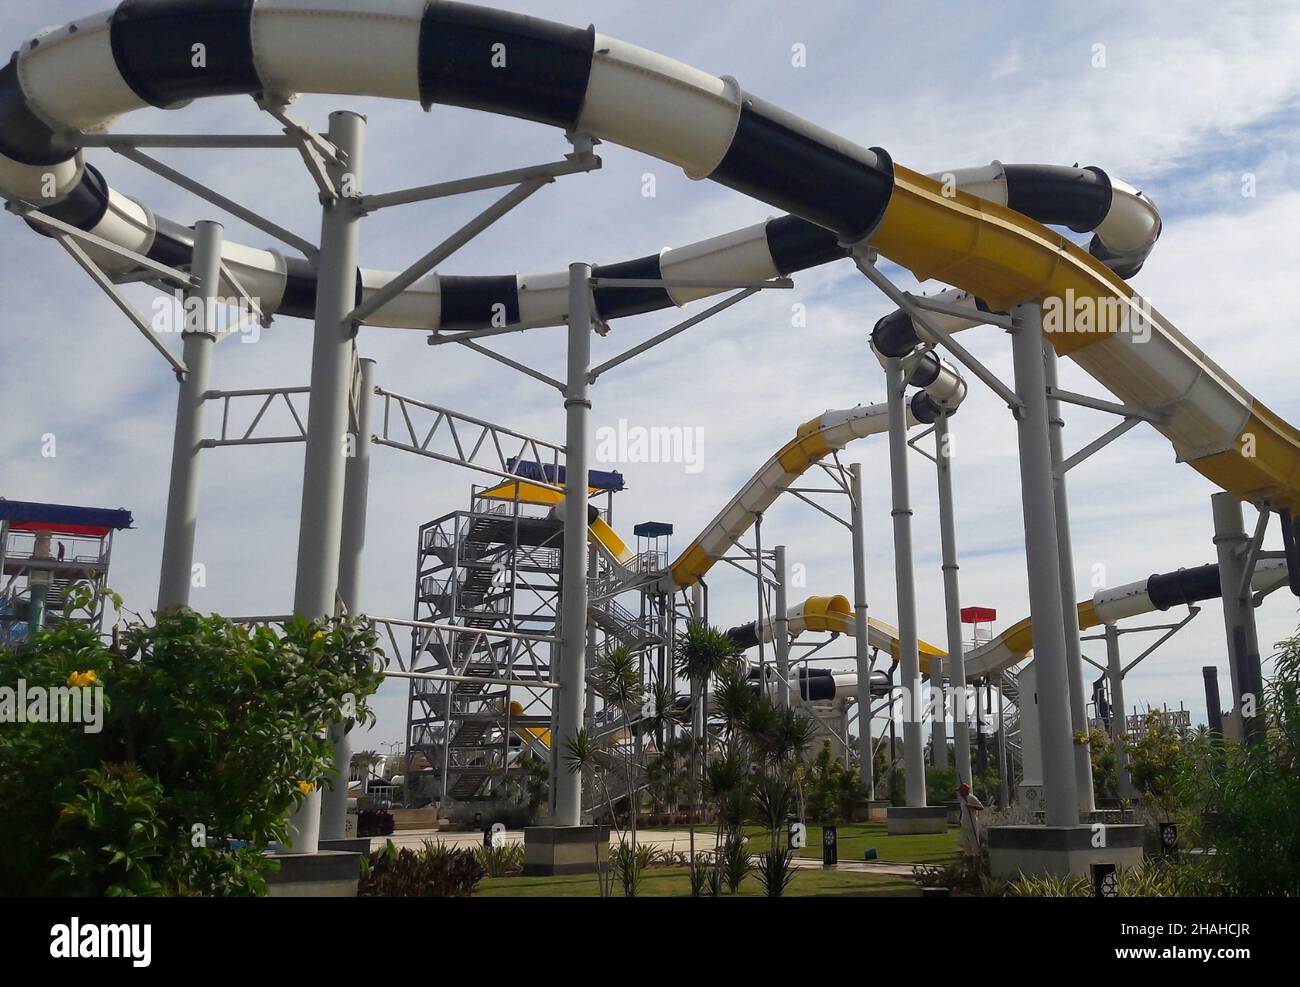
599 533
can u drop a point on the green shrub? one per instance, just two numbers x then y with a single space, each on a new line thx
211 734
735 862
435 870
502 859
775 871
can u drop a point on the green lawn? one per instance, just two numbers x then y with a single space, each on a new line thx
854 840
675 882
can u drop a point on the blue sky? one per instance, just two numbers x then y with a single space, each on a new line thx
1184 106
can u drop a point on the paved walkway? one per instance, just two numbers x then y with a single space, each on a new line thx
675 840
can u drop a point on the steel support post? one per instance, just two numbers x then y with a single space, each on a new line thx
1232 544
176 575
782 630
858 527
589 702
909 664
1213 705
36 608
1115 675
356 495
1044 567
1069 609
320 526
956 663
573 586
1004 783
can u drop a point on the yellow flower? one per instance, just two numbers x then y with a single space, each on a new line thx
79 680
318 635
306 787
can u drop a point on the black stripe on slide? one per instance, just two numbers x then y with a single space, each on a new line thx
744 637
300 284
1186 586
1059 196
894 335
479 302
25 137
156 44
816 688
797 245
83 207
787 162
173 244
614 303
299 301
504 63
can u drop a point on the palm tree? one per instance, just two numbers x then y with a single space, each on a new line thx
701 654
583 753
733 698
617 679
365 760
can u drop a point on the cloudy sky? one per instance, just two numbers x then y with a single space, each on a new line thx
1185 107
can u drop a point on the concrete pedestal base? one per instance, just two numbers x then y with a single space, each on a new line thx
553 850
325 874
1061 850
904 820
870 810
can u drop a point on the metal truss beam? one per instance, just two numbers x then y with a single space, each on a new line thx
169 274
572 165
449 246
125 307
268 396
470 442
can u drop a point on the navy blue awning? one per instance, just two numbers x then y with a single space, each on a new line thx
27 515
652 529
530 470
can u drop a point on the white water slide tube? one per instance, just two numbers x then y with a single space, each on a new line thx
984 235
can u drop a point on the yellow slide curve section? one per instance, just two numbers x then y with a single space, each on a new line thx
534 493
1006 258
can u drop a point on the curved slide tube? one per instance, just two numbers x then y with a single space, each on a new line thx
1158 593
82 76
834 615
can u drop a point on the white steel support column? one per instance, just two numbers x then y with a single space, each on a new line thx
573 585
1044 567
176 575
782 630
1232 544
1069 609
858 527
909 664
1115 672
320 526
356 495
956 662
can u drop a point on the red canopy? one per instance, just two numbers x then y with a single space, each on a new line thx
978 615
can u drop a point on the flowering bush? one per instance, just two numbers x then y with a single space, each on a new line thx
211 733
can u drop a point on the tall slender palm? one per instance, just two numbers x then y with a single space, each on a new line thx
701 654
584 753
617 679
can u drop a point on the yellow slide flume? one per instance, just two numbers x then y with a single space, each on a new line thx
1004 258
598 531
